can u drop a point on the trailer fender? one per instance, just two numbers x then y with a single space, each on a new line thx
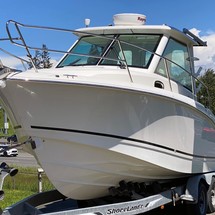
192 186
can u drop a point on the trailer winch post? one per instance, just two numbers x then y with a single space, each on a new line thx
40 183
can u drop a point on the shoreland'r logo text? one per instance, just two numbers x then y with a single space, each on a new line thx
125 209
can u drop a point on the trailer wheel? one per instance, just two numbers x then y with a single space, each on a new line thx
200 208
211 196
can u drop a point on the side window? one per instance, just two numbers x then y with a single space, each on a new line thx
177 63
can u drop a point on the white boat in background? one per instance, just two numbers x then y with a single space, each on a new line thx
120 105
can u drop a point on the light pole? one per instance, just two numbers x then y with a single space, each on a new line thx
6 125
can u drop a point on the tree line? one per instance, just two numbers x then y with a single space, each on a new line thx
207 95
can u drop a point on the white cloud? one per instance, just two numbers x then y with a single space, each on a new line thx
205 54
195 31
16 63
11 62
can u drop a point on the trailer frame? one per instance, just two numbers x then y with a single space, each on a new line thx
197 192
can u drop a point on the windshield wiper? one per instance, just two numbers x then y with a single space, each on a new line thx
74 62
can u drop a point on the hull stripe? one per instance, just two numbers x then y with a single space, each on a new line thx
118 137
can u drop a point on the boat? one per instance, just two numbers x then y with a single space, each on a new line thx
121 105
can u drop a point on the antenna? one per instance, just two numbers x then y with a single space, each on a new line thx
87 22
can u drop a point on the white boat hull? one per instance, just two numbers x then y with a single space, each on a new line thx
88 137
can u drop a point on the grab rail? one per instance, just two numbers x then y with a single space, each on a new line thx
28 48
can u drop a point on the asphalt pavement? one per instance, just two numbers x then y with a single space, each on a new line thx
23 159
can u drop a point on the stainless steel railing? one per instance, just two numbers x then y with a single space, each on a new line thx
20 41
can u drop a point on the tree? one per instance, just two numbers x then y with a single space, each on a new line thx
41 59
45 57
208 78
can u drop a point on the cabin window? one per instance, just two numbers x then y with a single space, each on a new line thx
136 50
177 63
87 51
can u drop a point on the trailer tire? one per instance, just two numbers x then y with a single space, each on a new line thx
200 208
211 196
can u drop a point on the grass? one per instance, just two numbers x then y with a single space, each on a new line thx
13 196
24 184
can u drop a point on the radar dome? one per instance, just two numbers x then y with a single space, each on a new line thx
129 19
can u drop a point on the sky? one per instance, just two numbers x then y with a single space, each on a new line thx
197 16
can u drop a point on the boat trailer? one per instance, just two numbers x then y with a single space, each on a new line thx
197 193
52 202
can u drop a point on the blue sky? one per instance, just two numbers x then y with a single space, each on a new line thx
70 14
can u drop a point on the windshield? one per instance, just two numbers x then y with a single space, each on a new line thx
135 50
